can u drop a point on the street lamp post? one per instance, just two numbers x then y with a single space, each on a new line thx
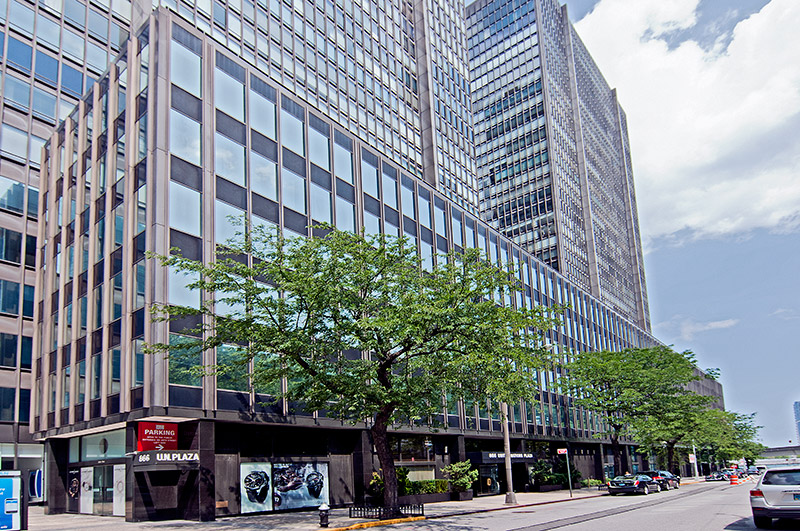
511 497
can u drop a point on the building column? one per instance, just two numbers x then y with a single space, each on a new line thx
205 484
600 461
56 462
362 465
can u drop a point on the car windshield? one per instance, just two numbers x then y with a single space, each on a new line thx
624 477
782 477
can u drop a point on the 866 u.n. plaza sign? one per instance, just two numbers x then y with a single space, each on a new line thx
159 458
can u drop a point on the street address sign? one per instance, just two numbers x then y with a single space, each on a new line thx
562 451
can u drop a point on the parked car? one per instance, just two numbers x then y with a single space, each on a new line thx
716 476
666 480
638 483
776 495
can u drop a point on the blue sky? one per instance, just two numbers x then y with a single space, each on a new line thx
712 94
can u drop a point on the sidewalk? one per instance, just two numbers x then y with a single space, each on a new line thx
309 520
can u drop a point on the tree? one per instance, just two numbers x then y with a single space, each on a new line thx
628 386
678 422
729 436
353 325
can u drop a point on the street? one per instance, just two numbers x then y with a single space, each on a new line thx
693 507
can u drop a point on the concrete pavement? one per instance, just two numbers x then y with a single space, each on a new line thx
309 520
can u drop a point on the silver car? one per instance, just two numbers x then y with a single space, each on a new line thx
776 495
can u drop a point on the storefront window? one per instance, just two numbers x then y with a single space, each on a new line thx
105 445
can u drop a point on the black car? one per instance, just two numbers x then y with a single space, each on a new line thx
640 483
666 480
716 476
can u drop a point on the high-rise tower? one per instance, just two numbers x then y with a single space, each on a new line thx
552 150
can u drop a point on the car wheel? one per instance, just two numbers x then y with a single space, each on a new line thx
677 485
667 487
646 490
763 522
658 488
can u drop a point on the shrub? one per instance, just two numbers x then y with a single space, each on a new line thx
461 475
591 482
375 487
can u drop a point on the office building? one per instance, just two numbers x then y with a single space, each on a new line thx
50 53
552 150
188 127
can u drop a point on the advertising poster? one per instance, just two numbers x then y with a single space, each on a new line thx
87 490
298 485
10 484
255 487
118 507
73 490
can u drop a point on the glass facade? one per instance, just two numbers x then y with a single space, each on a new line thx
292 168
552 150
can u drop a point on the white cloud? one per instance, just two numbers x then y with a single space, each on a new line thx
714 133
686 329
786 314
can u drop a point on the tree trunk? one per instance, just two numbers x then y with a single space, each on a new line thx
380 439
616 449
671 456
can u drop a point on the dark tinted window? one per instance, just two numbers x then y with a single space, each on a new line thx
782 477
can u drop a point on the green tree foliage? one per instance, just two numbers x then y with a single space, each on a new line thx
461 475
628 386
354 327
679 422
729 436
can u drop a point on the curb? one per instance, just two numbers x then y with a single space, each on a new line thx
365 525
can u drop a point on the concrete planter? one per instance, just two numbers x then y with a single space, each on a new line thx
461 496
550 488
416 499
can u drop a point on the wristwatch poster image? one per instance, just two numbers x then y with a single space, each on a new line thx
256 487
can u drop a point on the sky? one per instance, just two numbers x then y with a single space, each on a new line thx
711 89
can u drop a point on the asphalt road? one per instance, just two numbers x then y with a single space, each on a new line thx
703 506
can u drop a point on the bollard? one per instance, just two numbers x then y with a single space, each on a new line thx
324 514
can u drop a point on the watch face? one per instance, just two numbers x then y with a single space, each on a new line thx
256 485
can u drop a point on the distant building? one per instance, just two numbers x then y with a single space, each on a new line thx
797 419
552 150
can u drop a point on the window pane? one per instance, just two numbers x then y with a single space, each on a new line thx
179 293
14 142
185 69
234 371
10 245
372 224
184 137
292 134
44 104
369 179
389 191
262 115
184 361
17 92
342 163
46 68
8 350
319 149
19 54
320 204
229 159
228 220
294 191
263 176
185 207
228 95
9 297
345 215
12 193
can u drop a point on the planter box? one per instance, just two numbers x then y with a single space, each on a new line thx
550 488
461 496
417 499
